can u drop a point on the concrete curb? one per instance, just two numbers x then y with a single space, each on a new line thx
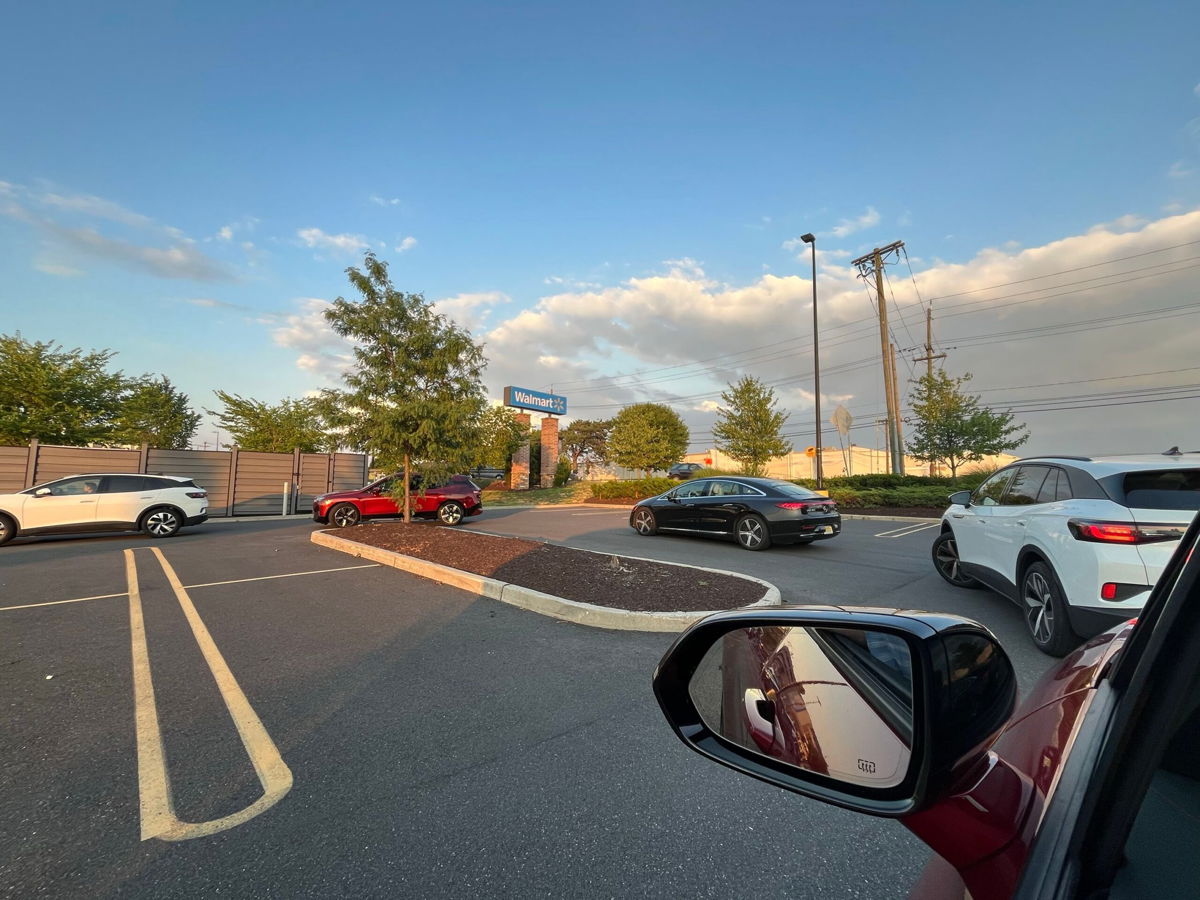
537 601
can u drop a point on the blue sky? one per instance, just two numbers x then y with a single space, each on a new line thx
538 149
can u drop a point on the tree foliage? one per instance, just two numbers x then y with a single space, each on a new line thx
950 427
749 427
647 436
414 397
499 436
585 442
54 395
154 412
273 428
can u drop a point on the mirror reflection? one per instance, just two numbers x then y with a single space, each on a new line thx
834 701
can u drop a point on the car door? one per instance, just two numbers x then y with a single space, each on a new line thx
719 508
377 501
971 524
1009 520
678 508
1124 819
62 504
123 497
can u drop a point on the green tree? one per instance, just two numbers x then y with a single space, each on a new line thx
499 436
749 427
155 413
647 436
950 427
414 397
278 428
54 395
585 441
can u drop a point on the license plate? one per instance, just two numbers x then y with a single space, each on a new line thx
824 529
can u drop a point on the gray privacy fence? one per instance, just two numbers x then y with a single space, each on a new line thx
239 482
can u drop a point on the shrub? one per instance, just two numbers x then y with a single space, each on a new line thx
631 490
899 498
562 474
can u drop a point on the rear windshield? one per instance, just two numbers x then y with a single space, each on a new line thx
1168 489
792 490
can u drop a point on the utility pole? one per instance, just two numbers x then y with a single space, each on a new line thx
871 266
928 359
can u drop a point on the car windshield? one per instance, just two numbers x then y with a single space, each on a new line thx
1165 489
788 489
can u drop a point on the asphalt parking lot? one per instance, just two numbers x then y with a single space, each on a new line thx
237 711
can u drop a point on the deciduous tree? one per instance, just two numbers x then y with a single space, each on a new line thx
274 428
585 442
413 397
647 436
950 427
499 437
749 427
154 412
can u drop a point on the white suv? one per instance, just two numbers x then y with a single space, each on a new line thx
159 505
1076 542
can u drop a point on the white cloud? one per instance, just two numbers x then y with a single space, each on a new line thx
95 207
1180 169
1196 90
470 310
407 244
321 350
845 227
337 243
225 233
182 260
53 268
384 201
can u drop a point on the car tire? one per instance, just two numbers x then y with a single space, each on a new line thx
947 562
8 529
751 533
344 515
161 522
644 522
1045 609
451 513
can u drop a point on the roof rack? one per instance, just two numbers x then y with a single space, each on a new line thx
1057 456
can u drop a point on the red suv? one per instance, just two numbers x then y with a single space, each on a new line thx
1090 788
449 503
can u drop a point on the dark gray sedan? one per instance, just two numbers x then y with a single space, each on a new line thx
756 512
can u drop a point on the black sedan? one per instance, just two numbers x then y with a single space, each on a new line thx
755 512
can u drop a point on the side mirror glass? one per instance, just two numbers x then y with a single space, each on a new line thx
960 498
875 710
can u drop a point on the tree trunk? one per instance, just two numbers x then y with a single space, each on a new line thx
407 491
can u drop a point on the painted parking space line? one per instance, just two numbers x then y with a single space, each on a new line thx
906 530
191 586
158 819
603 512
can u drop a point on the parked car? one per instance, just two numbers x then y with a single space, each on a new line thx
756 512
158 505
683 471
490 473
449 503
1088 789
1076 542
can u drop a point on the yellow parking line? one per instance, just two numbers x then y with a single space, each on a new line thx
158 817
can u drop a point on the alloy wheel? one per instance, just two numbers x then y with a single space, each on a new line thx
750 533
345 516
1039 607
162 523
947 559
643 521
450 513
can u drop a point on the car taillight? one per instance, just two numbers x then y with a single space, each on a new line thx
1108 590
790 505
197 495
1124 532
806 507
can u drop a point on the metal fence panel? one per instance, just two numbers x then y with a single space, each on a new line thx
259 487
349 471
59 462
314 478
208 468
12 469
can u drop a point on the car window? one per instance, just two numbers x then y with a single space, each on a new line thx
1167 489
1025 486
127 484
88 484
726 489
1063 491
990 492
1049 491
692 489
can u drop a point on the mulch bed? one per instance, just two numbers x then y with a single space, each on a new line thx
578 575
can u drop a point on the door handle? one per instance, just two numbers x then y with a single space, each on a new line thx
958 515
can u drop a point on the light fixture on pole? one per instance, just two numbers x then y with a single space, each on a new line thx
812 239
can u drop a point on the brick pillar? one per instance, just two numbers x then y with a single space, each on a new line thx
520 459
549 450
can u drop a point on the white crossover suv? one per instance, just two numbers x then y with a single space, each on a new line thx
1076 542
159 505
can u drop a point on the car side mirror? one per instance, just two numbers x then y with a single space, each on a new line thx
873 710
42 492
960 498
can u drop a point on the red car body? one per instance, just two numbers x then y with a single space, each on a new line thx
983 835
374 501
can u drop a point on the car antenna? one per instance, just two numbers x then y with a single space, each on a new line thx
1174 451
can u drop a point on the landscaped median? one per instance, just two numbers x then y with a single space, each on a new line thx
580 586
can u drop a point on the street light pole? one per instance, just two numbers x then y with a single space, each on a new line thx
811 239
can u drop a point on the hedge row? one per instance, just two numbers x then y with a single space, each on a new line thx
884 481
631 490
896 498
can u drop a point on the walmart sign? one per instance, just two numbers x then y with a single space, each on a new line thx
523 398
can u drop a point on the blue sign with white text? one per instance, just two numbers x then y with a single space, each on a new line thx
523 398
